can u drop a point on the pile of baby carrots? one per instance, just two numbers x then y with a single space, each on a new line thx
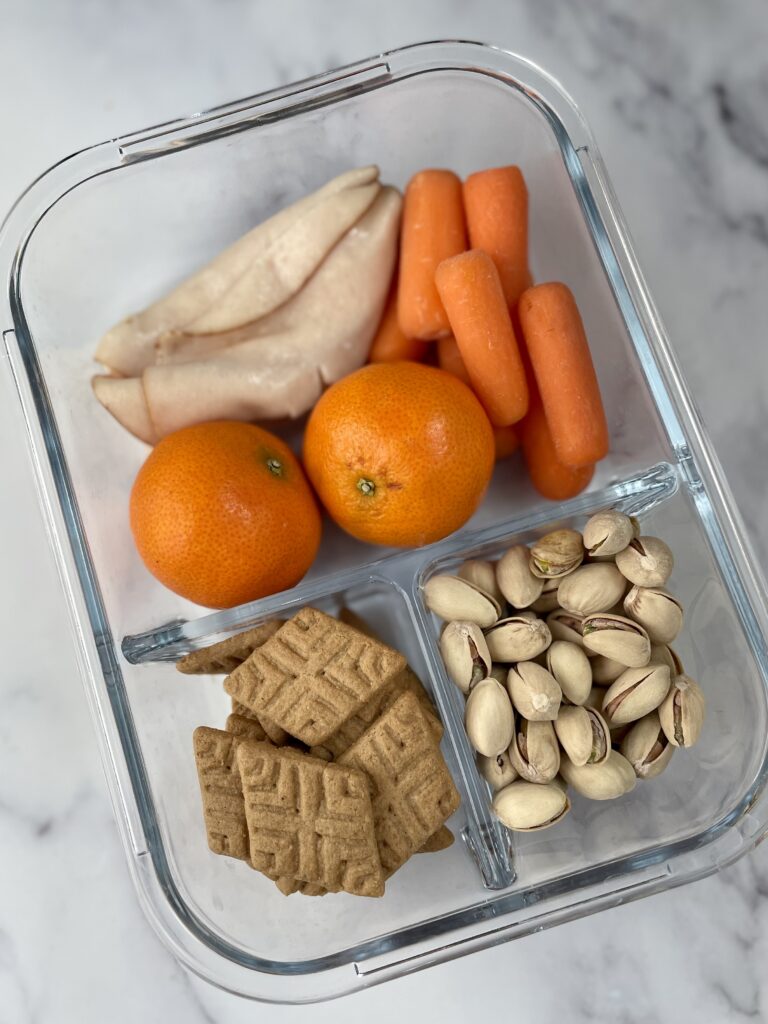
464 288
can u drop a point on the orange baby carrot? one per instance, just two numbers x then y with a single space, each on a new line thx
449 359
390 344
549 476
432 230
496 205
471 291
506 440
559 352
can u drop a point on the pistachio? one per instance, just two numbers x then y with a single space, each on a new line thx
499 673
534 752
636 693
465 654
488 718
526 807
515 579
646 562
583 735
452 598
556 554
518 638
565 625
483 575
647 748
548 600
607 533
595 699
571 669
682 713
534 692
606 781
605 670
497 771
618 638
591 588
664 655
657 611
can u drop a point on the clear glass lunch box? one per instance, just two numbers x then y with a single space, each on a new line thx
110 229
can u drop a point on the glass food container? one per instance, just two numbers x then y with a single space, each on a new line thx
110 229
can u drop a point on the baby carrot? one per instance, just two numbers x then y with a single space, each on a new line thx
449 359
506 440
477 310
496 204
390 344
559 352
549 476
433 229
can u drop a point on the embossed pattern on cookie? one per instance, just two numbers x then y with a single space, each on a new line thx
221 792
226 655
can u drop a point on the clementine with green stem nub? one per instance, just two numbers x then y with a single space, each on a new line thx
399 453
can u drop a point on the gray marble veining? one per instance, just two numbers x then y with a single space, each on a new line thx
678 98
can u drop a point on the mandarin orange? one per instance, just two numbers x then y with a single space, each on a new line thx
399 453
222 513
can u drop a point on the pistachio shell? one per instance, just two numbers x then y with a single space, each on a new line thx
497 771
607 533
606 670
527 807
571 668
534 752
657 611
518 638
565 625
595 699
534 692
499 672
616 637
488 718
556 554
646 562
515 579
591 588
663 654
683 711
583 735
452 598
636 693
647 748
606 781
483 575
548 600
465 654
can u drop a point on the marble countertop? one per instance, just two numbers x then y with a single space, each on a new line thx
677 96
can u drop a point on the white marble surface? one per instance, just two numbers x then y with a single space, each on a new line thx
678 98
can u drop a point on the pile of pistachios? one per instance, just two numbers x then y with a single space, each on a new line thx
562 651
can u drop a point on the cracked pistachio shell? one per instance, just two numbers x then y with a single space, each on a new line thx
497 771
570 667
606 670
618 638
527 807
565 625
483 575
606 781
636 693
534 692
583 735
488 718
657 611
465 654
662 654
683 711
646 562
515 579
647 748
556 554
452 598
591 588
534 752
607 533
518 638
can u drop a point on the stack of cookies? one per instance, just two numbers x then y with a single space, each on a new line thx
328 775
